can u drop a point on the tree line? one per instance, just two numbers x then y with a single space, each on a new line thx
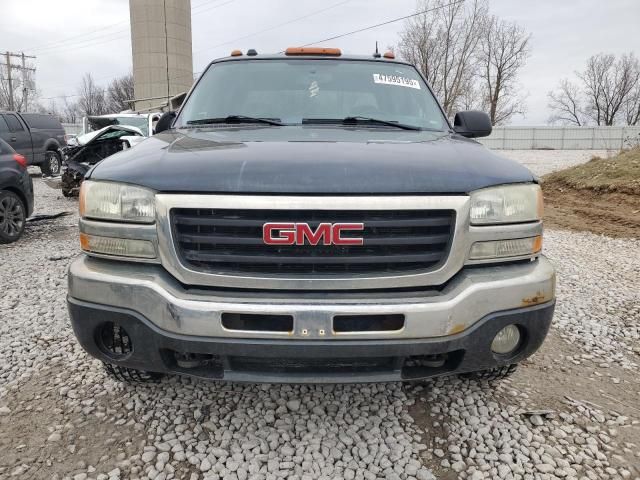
93 99
470 57
606 92
90 99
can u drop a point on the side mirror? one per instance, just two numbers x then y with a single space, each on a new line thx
472 124
165 121
176 101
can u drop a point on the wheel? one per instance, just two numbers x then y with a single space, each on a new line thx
130 375
497 373
12 217
52 163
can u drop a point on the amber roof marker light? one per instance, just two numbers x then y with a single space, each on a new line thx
329 52
390 55
236 53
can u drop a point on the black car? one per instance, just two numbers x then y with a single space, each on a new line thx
16 193
36 136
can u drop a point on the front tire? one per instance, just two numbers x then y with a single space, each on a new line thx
13 216
130 375
52 163
494 374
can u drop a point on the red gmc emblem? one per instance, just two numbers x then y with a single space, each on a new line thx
302 233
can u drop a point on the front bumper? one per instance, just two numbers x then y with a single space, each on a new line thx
455 323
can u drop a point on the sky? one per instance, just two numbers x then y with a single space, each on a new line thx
72 37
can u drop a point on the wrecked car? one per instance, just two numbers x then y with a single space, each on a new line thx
143 121
85 151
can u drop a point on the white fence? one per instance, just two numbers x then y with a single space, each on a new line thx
72 128
562 138
534 138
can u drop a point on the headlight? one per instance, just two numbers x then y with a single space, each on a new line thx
117 201
506 204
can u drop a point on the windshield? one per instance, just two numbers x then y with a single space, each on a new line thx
141 122
291 91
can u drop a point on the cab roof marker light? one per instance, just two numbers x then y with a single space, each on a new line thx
236 53
329 52
390 55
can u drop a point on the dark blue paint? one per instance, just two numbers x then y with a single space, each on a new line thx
310 160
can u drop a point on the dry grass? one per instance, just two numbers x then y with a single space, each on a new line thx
619 174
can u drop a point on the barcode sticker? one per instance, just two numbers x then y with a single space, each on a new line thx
395 80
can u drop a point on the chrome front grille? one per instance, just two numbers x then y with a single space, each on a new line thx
230 241
216 240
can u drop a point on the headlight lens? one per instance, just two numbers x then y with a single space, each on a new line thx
117 201
506 204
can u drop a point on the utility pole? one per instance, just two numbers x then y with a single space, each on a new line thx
24 70
8 56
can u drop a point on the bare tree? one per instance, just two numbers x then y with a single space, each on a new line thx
118 92
92 99
632 106
442 43
50 108
566 104
69 112
504 49
471 98
608 83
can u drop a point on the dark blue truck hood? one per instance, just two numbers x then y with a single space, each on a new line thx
310 160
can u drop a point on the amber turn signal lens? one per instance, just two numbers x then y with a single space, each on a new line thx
537 244
331 52
84 242
82 200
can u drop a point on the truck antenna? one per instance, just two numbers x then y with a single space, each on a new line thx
376 53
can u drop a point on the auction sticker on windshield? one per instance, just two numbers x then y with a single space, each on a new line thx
395 80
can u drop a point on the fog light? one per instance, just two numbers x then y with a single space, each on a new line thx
506 340
123 247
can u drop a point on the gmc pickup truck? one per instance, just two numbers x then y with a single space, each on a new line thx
311 217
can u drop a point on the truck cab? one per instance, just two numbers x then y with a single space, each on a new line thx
38 137
311 217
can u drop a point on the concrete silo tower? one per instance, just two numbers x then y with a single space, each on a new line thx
161 47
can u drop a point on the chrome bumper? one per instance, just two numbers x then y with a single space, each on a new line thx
151 292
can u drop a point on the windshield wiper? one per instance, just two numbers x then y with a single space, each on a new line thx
358 120
232 119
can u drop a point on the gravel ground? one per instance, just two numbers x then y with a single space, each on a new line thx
570 412
542 162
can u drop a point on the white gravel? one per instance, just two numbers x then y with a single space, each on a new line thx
542 162
183 428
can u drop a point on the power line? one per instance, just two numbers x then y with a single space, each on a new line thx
24 70
306 16
195 74
384 23
61 42
113 36
58 43
110 37
275 26
213 7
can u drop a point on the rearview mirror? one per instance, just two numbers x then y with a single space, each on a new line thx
165 122
472 124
